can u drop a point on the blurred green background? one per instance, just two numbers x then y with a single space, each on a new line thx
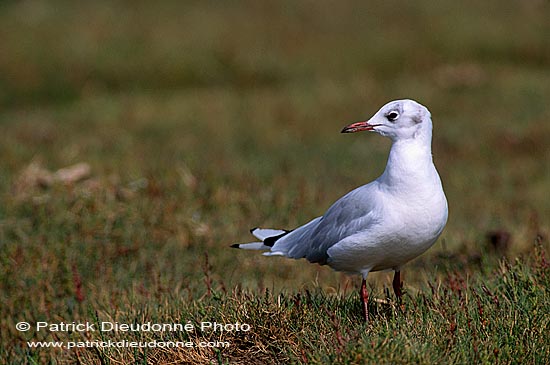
202 119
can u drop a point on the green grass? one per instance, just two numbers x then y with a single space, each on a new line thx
201 120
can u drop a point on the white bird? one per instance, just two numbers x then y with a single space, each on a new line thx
380 225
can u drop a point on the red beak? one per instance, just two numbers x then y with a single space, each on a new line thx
359 126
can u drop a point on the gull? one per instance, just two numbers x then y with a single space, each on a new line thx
384 224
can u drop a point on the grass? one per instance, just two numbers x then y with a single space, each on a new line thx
201 120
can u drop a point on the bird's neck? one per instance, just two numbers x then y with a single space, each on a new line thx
409 163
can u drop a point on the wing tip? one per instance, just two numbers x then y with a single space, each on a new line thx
270 241
235 245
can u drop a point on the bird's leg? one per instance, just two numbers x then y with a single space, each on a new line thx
397 285
364 299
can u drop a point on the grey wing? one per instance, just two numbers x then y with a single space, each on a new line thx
348 215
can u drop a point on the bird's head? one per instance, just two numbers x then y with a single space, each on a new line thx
399 119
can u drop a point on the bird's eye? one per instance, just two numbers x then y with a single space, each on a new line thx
392 116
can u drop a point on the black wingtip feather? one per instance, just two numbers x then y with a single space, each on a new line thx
270 241
236 245
253 229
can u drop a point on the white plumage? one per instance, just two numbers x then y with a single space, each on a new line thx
385 223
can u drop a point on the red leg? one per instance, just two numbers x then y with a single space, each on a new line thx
397 285
365 299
